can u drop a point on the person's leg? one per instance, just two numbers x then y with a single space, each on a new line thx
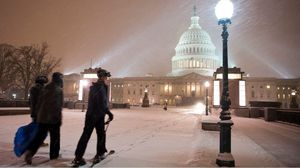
36 143
85 137
54 130
101 137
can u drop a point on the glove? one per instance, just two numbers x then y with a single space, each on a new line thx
110 116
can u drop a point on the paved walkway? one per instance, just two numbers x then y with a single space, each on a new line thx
152 137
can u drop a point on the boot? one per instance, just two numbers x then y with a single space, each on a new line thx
98 158
28 157
78 162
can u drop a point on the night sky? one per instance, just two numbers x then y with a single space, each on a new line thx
136 37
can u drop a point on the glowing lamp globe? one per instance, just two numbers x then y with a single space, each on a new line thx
206 84
224 10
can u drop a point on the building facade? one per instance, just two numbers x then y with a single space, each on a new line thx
193 64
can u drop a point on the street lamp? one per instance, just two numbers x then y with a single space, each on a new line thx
84 84
224 11
206 84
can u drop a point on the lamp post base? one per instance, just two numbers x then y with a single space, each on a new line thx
225 157
225 160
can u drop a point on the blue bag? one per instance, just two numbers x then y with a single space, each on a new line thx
24 137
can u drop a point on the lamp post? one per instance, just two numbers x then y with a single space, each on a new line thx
206 84
224 11
84 84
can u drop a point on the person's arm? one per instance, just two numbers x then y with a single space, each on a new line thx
106 108
33 102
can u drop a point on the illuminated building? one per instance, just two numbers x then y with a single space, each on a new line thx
194 63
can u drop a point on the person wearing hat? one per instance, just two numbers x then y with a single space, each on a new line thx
49 118
35 92
95 118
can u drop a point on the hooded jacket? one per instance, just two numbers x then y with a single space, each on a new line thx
35 93
50 105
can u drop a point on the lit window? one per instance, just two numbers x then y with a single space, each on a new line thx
283 96
242 93
283 88
216 93
278 88
268 86
278 96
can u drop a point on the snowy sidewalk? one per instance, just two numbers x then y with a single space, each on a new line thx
152 137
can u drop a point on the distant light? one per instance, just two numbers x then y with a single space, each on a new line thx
268 86
293 92
242 93
90 76
85 82
206 84
82 84
199 108
224 9
216 93
230 76
14 95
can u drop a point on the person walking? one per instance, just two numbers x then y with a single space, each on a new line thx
49 118
95 118
166 105
35 93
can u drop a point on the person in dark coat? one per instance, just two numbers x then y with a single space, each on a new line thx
95 118
49 118
166 105
35 93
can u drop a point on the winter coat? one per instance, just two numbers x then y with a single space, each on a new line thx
35 93
50 106
98 101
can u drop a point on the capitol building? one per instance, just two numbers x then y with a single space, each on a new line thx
193 64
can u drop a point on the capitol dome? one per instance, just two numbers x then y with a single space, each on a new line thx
195 52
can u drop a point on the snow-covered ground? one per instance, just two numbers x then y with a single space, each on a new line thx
152 137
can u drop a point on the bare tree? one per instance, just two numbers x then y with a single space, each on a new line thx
7 70
31 61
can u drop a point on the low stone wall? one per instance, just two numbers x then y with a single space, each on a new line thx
241 112
288 115
15 103
120 105
256 112
210 125
7 111
269 114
